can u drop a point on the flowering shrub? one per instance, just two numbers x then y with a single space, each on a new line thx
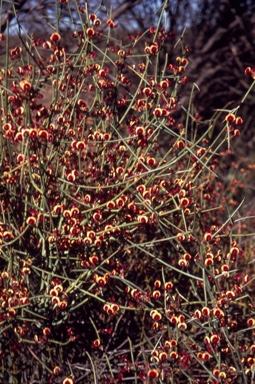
118 258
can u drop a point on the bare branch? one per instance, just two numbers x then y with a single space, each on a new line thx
9 14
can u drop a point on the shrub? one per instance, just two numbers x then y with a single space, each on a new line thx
119 261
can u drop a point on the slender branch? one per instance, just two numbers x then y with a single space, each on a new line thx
9 14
